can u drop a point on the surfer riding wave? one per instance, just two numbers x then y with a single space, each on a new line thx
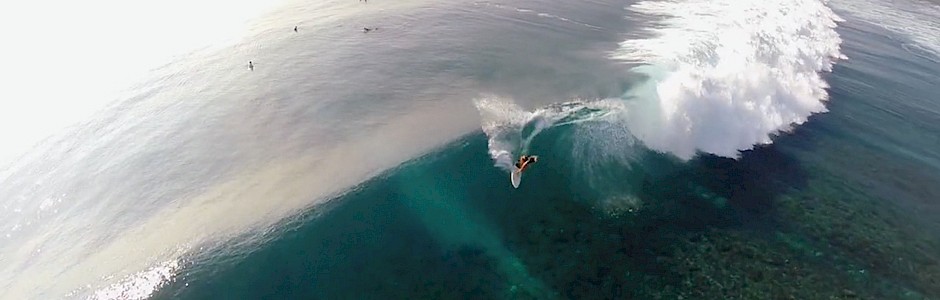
510 129
524 162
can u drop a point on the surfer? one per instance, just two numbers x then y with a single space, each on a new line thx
524 162
251 66
295 28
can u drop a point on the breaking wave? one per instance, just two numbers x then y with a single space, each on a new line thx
728 74
511 129
720 76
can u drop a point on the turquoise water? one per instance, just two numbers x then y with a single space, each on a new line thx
372 166
447 225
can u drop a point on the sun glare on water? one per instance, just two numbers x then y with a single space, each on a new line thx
63 60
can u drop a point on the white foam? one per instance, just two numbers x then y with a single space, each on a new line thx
727 74
502 122
510 129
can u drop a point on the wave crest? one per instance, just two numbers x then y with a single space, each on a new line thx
725 75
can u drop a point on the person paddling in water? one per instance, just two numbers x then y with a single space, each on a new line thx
524 162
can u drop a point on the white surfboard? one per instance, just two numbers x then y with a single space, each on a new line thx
516 176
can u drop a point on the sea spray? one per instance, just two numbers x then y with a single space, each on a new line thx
726 75
511 130
721 77
502 121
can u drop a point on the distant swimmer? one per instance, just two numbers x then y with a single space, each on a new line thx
295 28
366 29
251 65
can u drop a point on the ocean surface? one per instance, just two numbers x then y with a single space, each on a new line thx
695 149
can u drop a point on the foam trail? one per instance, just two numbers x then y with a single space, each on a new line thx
502 121
510 129
725 75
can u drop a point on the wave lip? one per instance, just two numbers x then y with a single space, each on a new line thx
725 75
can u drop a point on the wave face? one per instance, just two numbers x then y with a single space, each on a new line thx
720 77
725 75
510 129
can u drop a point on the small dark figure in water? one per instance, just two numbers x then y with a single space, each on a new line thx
295 28
251 65
366 29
